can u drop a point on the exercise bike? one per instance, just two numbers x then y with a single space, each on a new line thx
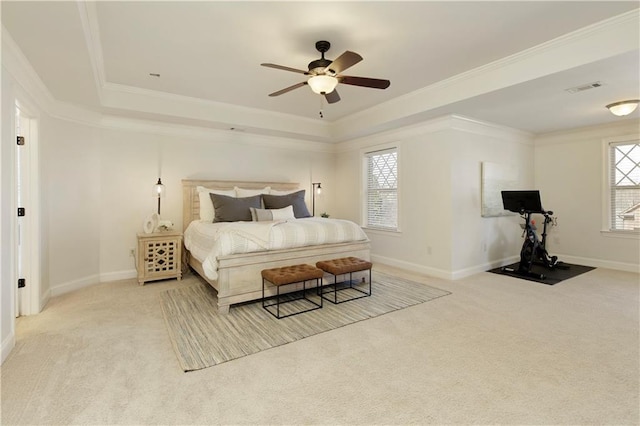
533 250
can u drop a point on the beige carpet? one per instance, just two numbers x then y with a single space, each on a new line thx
202 338
498 350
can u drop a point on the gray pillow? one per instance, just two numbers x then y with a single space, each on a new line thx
296 200
231 209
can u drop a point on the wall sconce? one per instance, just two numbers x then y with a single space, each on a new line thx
623 108
158 191
315 191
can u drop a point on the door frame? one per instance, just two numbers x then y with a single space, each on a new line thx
30 300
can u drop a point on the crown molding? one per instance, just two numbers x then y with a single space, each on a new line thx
212 135
442 123
129 98
29 83
592 43
14 61
626 127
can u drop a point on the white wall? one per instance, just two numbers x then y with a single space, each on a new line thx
569 168
101 179
480 243
441 230
71 171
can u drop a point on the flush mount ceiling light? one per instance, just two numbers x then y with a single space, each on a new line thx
623 108
322 84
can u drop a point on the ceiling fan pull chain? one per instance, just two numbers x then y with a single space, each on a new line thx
321 103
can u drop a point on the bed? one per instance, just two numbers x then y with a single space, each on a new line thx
236 277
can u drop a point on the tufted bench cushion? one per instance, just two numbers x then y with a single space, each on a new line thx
291 274
344 265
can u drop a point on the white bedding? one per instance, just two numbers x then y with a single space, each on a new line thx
207 241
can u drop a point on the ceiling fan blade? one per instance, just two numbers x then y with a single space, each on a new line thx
281 67
332 97
375 83
288 89
344 61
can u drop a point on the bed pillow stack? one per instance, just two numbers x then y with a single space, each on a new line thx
241 204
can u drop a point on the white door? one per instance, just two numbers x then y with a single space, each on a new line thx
27 250
20 196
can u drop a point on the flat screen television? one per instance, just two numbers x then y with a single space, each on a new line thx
522 201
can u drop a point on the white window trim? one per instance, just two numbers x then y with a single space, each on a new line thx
606 192
363 180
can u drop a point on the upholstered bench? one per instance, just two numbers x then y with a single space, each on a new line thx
291 275
342 266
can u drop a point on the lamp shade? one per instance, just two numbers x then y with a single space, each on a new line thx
158 189
623 108
322 84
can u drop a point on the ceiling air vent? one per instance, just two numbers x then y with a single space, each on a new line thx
584 87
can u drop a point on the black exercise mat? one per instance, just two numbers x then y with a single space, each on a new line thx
552 276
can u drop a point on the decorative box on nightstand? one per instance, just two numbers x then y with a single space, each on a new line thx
159 256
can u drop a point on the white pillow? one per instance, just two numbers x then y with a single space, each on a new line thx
276 192
242 192
259 215
206 205
283 213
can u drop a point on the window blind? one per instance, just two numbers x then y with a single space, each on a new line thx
624 185
382 189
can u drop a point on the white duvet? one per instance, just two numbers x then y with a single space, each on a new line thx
207 241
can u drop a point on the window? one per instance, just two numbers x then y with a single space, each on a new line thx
624 185
381 189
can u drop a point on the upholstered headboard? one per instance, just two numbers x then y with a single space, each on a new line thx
191 201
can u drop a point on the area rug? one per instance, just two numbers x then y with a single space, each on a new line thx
202 338
551 276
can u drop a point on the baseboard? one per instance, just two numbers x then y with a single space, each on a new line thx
600 263
91 280
467 272
421 269
44 299
74 285
7 346
118 275
441 273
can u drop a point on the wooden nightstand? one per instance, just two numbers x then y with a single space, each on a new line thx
159 256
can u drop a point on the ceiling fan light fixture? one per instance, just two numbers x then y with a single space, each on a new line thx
623 108
322 84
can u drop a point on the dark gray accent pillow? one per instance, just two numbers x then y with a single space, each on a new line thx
295 199
231 209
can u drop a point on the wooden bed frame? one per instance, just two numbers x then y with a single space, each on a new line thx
239 279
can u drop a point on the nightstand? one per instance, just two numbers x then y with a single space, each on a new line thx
159 256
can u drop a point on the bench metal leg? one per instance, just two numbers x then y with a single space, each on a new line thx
350 286
303 297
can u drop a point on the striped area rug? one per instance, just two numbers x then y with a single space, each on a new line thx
202 338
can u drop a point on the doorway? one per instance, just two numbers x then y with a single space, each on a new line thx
27 229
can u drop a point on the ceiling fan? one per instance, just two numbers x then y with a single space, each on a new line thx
325 74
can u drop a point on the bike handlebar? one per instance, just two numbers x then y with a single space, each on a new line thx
546 213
